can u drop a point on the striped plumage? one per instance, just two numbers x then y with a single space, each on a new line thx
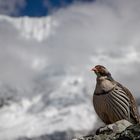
111 100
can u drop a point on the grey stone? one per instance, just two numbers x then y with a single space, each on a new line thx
121 130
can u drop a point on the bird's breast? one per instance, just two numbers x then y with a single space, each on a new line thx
104 86
100 107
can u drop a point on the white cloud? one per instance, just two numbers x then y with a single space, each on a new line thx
11 7
105 32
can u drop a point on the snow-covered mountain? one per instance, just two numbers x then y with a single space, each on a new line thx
46 85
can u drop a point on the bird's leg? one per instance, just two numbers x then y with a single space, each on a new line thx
106 129
116 127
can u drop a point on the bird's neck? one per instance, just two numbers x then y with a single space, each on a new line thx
104 84
102 78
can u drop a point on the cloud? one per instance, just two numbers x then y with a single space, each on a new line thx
11 7
104 32
53 5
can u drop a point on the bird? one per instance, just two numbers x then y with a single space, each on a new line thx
111 100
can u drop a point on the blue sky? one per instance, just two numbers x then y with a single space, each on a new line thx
39 8
34 8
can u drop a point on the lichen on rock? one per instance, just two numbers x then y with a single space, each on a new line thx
121 130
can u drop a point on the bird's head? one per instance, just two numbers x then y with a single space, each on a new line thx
101 71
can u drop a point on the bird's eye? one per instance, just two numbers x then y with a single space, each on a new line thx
103 72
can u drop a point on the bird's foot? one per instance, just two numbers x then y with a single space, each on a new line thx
106 129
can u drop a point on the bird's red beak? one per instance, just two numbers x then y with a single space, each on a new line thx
94 69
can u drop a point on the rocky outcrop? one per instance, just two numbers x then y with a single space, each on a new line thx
121 130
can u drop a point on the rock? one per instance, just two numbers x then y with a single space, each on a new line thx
121 130
131 133
54 136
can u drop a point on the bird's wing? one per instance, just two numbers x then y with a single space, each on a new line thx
133 106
